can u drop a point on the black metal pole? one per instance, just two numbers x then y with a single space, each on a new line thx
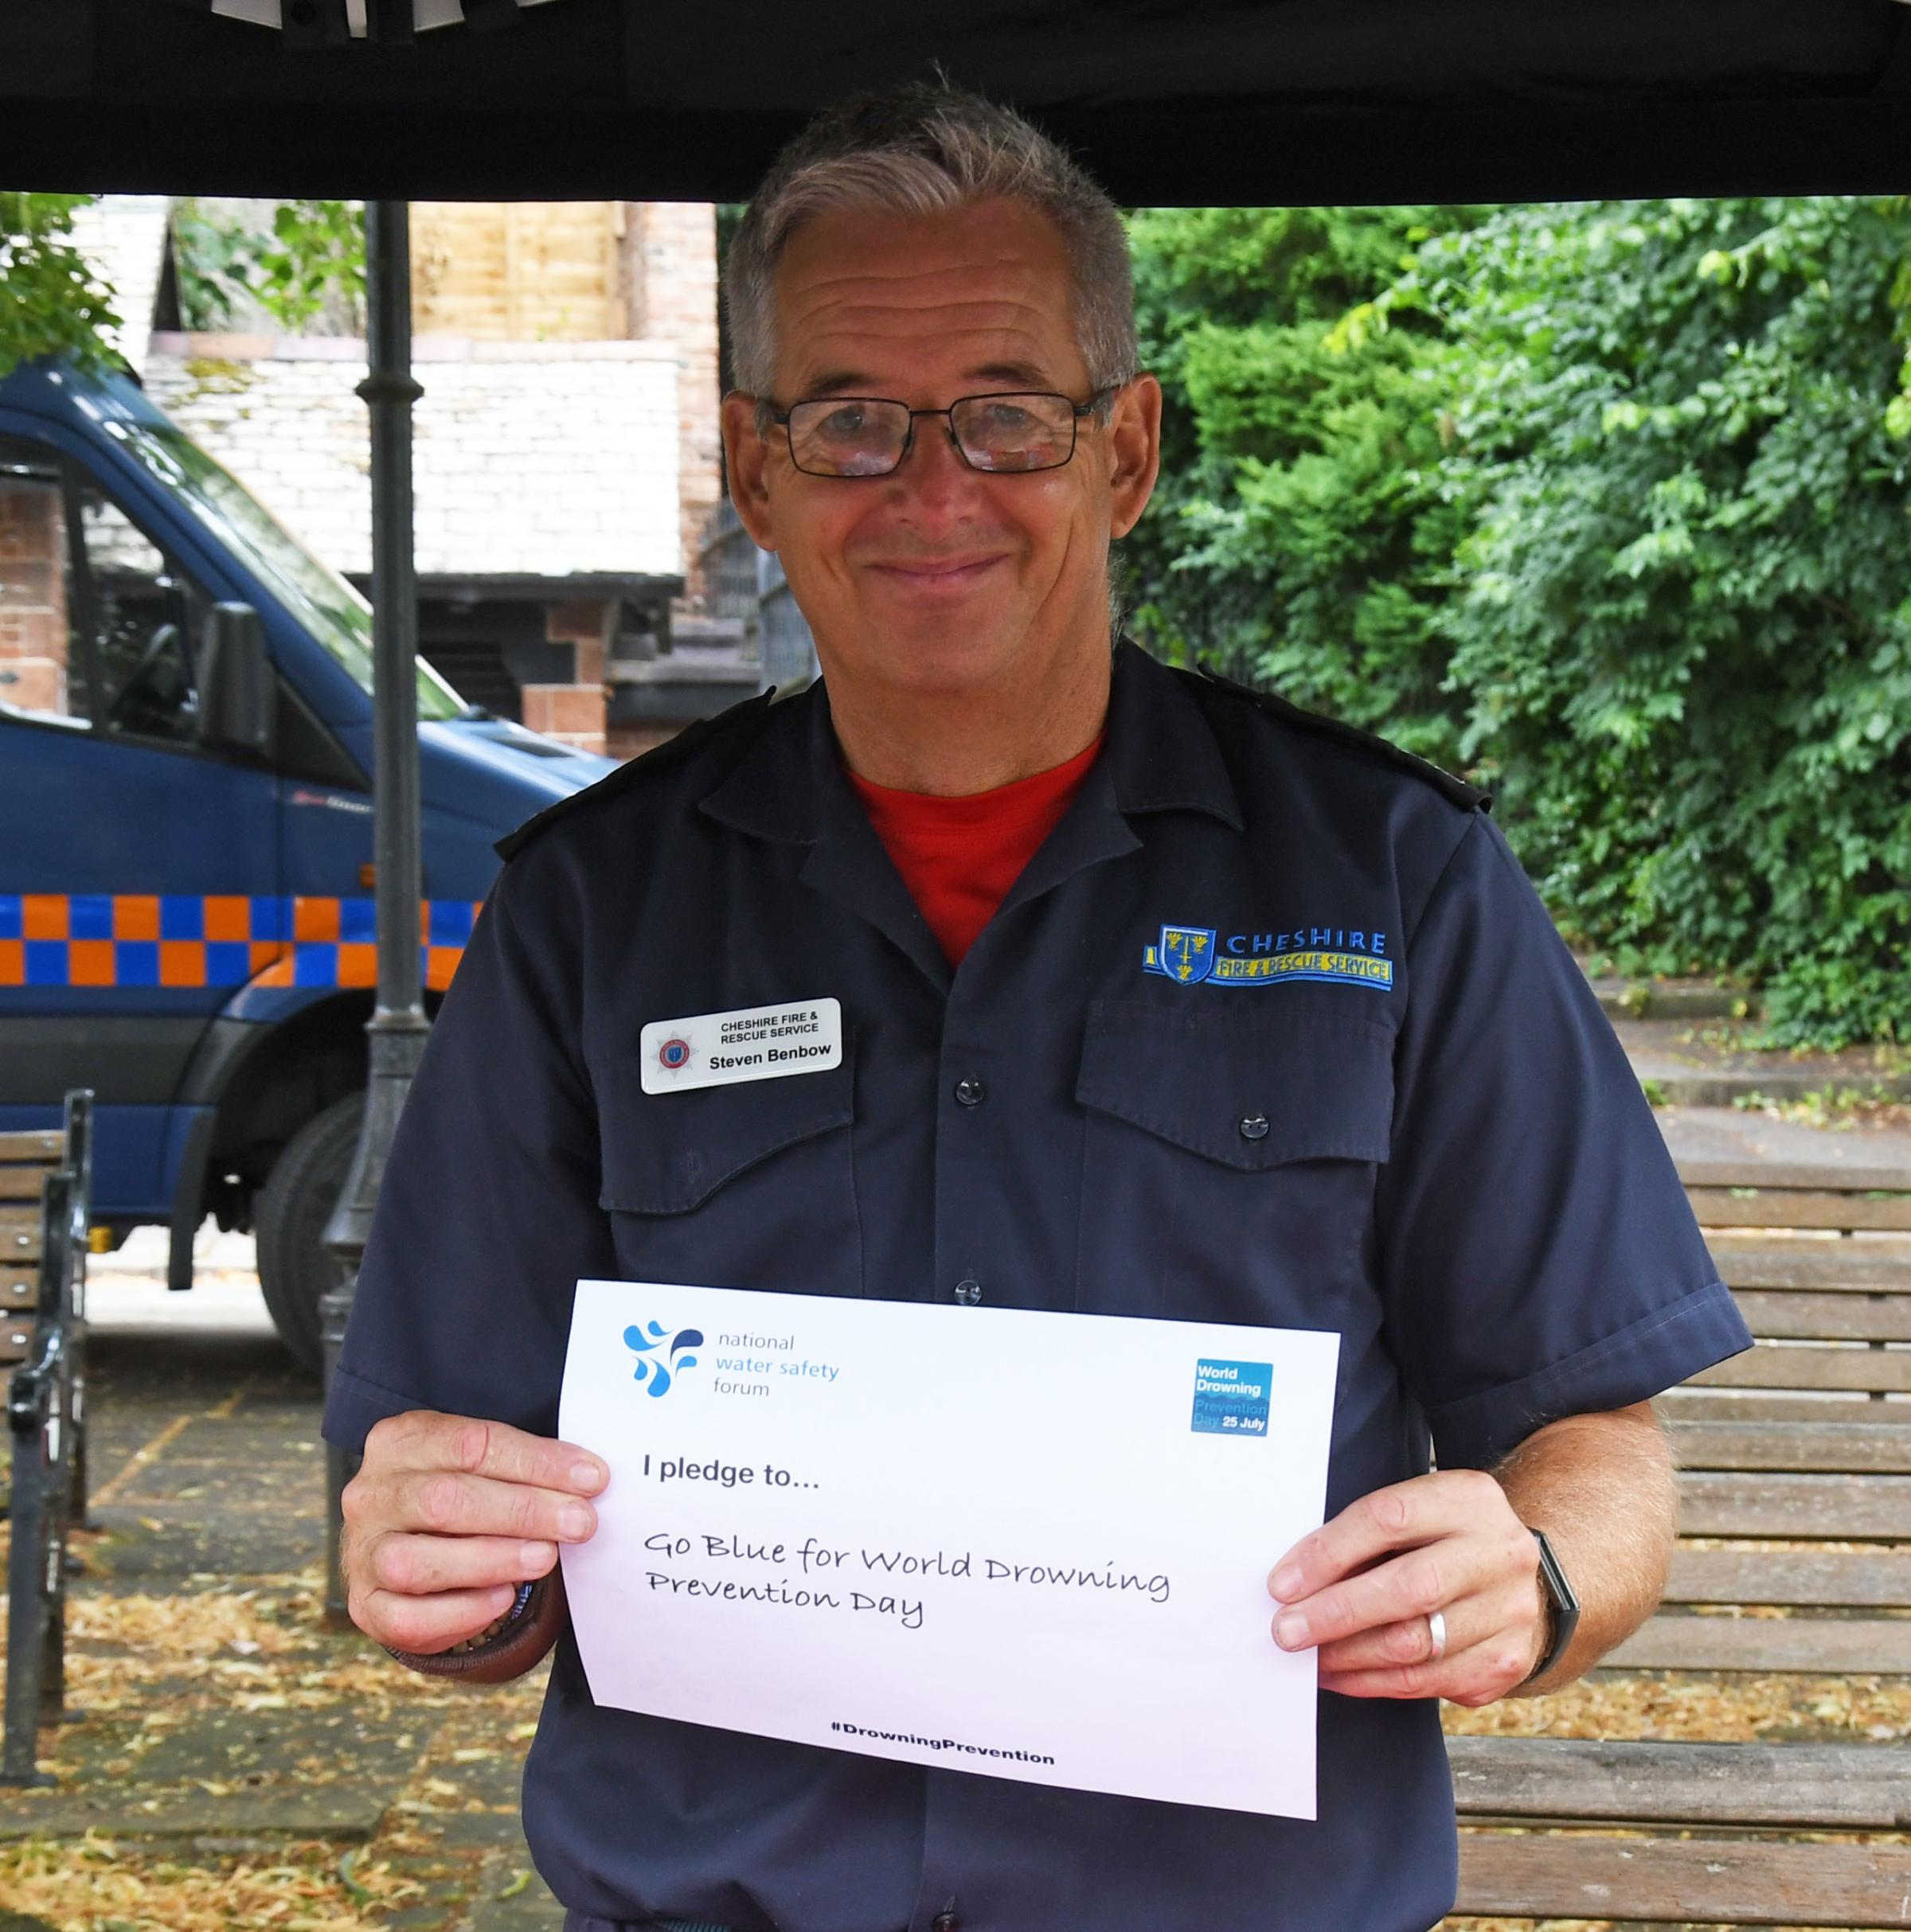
398 1026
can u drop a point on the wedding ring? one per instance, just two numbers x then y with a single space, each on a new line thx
1436 1631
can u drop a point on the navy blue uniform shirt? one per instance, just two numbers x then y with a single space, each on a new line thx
1272 1029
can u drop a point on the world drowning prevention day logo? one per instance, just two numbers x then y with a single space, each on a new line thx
1232 1398
657 1372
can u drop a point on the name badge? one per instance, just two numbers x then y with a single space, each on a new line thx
752 1043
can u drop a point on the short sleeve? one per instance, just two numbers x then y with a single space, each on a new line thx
488 1213
1537 1256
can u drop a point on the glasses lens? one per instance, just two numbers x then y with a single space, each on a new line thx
848 437
1015 432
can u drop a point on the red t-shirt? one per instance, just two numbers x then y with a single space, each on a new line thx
958 857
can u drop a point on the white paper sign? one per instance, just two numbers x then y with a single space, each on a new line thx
1032 1545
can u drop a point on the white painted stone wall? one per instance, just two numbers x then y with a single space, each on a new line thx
124 237
544 459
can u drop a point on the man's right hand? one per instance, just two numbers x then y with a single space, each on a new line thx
445 1517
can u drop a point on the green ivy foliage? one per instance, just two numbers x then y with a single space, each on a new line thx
51 303
306 251
1299 536
1607 504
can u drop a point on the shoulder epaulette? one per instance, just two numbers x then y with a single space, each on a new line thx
671 751
1470 797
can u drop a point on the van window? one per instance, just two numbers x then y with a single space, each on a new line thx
143 614
39 672
313 593
97 624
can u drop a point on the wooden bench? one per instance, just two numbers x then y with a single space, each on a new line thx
45 1414
1805 1440
1544 1868
26 1160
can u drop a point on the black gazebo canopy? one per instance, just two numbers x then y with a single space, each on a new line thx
1190 101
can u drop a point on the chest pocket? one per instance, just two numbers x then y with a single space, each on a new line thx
750 1185
1230 1158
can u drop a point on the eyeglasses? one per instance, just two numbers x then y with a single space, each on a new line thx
868 435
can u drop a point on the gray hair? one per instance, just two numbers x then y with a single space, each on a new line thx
921 150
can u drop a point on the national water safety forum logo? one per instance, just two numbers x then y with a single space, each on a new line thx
656 1371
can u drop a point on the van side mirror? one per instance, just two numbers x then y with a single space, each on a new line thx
238 698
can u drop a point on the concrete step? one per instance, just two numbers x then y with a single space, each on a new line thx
1680 1064
688 629
1675 999
1746 1134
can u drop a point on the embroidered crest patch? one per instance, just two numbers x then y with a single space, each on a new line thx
1191 955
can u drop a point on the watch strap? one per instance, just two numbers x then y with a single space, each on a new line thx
1564 1605
503 1648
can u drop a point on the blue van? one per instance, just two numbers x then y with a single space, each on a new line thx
185 830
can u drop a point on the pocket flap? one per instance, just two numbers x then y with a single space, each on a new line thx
666 1153
1324 1086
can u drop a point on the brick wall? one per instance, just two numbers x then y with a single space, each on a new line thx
575 711
670 273
545 458
571 712
32 599
628 741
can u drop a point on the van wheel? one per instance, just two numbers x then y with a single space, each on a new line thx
293 1207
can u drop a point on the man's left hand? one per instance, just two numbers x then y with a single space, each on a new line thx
1363 1588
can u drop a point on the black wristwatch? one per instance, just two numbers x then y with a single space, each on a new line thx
1562 1606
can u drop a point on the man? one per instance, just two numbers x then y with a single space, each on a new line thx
1160 999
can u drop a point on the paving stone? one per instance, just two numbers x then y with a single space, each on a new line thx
329 1773
127 1810
512 1898
496 1779
467 1829
192 1540
339 1742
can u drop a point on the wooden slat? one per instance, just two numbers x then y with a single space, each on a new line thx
1707 1405
1840 1509
1848 1787
1779 1366
1840 1317
1840 1578
1816 1176
1854 1448
1780 1208
45 1145
1831 1646
21 1183
18 1288
19 1234
1559 1876
1837 1267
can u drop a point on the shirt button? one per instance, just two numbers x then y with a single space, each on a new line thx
945 1921
968 1292
971 1093
1254 1127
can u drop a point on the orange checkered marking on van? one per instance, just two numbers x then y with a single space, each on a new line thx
214 940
